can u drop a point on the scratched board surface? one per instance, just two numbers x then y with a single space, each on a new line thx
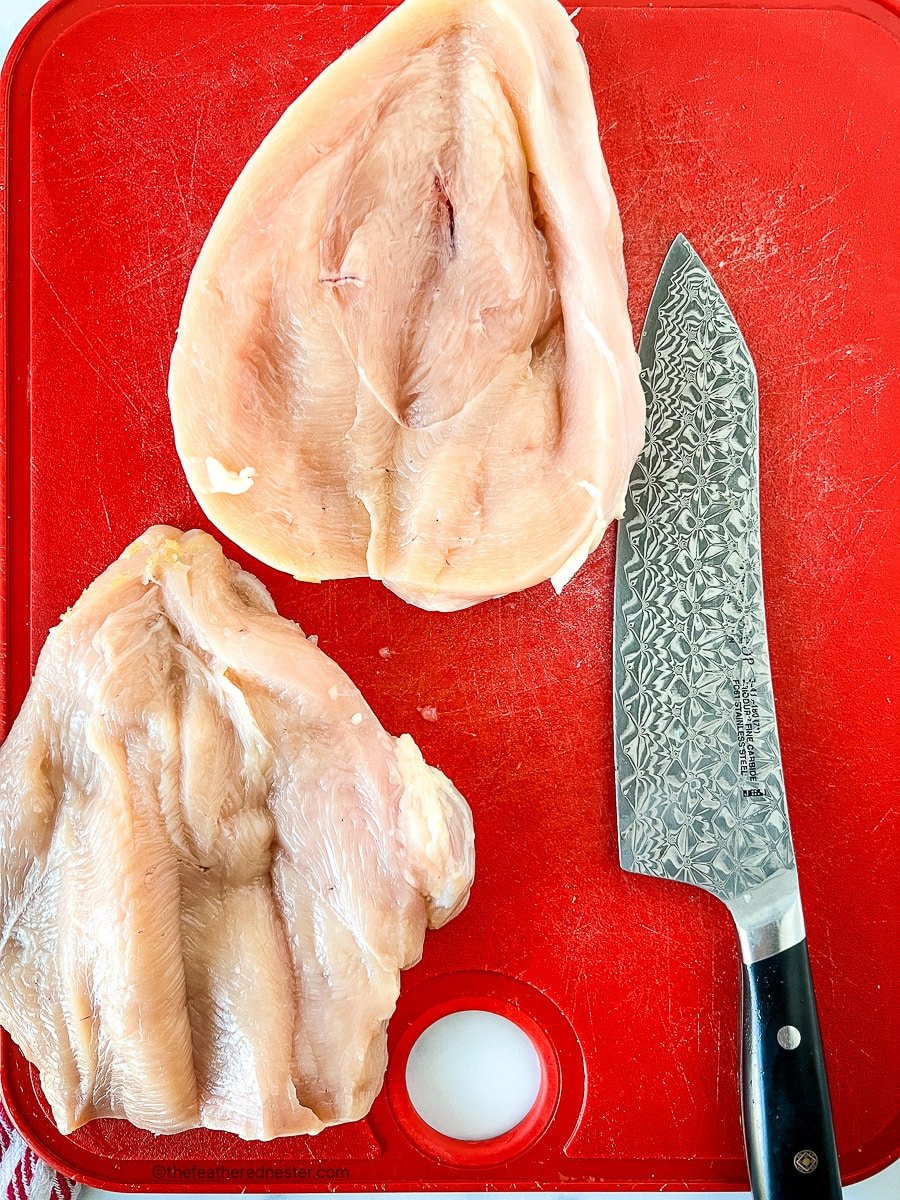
770 137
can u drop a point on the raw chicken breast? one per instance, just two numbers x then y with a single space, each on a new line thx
215 862
405 349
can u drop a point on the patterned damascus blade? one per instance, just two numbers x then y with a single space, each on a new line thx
698 769
699 783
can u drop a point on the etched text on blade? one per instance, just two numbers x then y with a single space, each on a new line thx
701 791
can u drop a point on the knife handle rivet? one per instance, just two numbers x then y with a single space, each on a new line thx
806 1161
788 1037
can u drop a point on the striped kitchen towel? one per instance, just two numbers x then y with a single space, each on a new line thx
24 1176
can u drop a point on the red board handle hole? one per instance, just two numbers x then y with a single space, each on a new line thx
473 1075
474 1084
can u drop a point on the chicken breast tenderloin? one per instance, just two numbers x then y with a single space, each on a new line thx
214 862
405 349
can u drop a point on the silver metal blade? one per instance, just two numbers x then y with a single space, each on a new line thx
699 782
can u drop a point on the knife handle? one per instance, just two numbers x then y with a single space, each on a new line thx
787 1111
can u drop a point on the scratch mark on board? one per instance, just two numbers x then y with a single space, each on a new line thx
93 360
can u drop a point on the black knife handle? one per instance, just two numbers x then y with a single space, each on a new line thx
787 1111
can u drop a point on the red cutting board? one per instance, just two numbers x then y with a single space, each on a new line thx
771 137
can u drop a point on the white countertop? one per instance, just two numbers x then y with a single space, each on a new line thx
885 1186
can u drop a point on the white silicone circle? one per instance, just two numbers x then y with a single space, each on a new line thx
473 1075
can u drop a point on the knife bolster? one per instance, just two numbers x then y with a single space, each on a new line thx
769 918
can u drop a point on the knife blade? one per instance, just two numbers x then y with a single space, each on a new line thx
699 782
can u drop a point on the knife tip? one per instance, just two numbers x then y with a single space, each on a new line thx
682 248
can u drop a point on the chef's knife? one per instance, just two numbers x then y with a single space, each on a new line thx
700 788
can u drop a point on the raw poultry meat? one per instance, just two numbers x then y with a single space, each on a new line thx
405 349
215 862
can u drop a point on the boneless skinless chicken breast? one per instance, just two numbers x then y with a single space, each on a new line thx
405 350
214 862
